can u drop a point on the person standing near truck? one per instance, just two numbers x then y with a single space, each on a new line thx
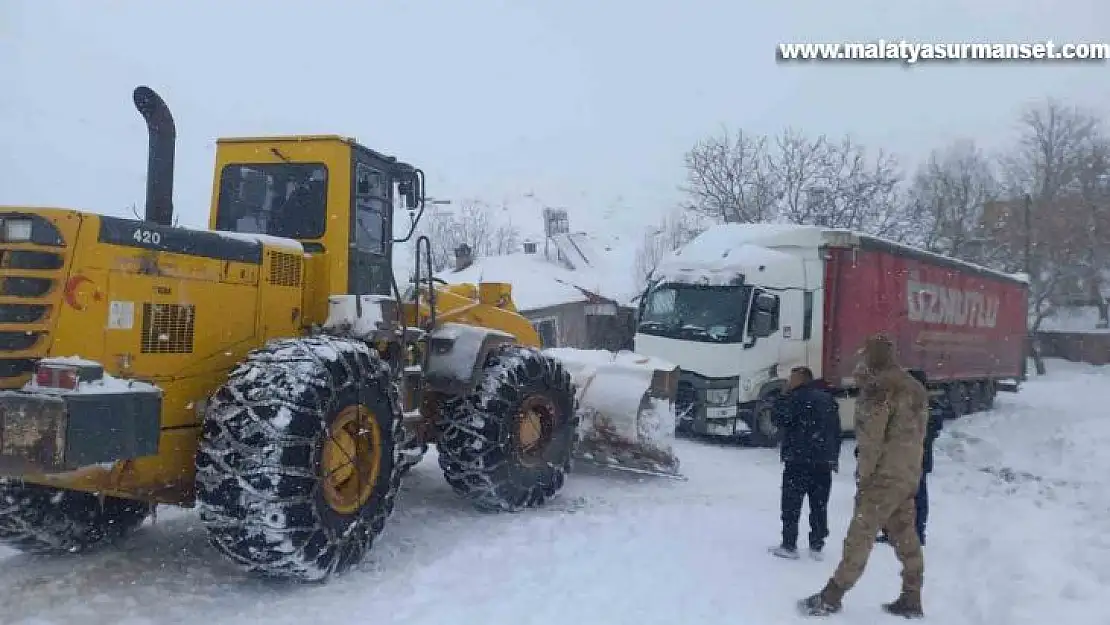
809 418
891 415
939 410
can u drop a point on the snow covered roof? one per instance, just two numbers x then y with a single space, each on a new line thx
714 241
1073 319
603 264
536 282
711 245
775 268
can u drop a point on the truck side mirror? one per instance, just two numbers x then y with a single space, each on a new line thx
765 315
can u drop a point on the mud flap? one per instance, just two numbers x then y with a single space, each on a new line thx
626 410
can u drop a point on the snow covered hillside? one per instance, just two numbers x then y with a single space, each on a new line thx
1019 533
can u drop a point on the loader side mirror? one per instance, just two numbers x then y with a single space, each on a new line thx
411 188
407 189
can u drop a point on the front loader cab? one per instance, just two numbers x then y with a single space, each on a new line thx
331 194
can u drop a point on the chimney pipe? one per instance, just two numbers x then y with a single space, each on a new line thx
160 151
464 257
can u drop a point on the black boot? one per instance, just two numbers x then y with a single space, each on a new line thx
908 605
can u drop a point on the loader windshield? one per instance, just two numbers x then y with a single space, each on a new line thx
278 199
712 314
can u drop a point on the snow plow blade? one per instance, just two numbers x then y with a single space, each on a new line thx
626 410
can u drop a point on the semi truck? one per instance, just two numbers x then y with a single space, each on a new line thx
742 304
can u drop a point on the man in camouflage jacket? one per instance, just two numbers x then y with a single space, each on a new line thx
890 423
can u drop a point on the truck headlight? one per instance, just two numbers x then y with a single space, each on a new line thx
720 396
17 230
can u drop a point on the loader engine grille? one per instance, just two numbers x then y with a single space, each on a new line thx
285 269
30 284
168 328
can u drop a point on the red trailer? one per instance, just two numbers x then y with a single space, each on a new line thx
963 325
741 305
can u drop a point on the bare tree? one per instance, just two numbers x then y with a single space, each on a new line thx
947 197
672 232
1055 164
836 185
727 178
798 167
1053 143
747 178
473 224
1093 181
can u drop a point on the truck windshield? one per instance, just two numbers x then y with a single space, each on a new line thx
279 199
712 314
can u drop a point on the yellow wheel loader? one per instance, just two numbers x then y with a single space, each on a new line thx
269 370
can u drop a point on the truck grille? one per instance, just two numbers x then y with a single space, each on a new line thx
29 284
685 399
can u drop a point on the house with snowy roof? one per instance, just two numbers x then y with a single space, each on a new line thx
565 307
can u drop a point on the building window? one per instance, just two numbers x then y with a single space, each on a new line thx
529 247
548 329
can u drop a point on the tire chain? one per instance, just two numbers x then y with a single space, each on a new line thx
471 448
250 426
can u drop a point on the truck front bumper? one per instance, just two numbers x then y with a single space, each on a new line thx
42 433
719 421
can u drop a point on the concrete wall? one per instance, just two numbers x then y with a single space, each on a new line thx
578 329
1093 348
569 320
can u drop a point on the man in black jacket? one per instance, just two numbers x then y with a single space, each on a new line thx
809 418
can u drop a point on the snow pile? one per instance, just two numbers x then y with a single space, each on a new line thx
620 422
361 316
289 245
1004 547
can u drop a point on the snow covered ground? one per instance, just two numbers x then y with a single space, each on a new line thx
1020 533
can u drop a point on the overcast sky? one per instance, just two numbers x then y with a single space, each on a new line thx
579 102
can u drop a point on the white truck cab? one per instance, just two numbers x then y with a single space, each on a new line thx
735 310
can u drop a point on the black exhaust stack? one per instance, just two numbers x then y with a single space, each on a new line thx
159 167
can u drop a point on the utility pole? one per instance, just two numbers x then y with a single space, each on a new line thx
1028 234
1038 363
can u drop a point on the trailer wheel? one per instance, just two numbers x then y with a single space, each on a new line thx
957 399
299 462
509 444
989 392
43 520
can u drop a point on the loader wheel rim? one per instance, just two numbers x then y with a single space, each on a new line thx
535 428
351 459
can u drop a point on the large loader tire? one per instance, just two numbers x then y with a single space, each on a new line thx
43 520
509 444
298 466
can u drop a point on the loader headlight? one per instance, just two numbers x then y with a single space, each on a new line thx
17 230
720 396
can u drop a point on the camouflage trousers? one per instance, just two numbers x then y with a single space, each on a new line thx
887 507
